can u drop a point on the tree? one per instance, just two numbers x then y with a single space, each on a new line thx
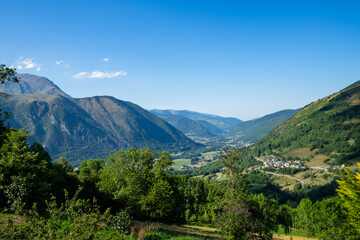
158 203
7 74
90 170
137 180
230 160
63 177
23 175
349 192
305 217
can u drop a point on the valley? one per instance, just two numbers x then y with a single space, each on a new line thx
289 157
180 120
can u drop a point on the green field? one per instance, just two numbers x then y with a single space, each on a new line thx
178 163
210 155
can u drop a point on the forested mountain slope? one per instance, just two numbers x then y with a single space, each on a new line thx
254 130
328 129
191 128
91 127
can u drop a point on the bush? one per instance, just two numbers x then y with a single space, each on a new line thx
74 219
152 236
122 222
238 223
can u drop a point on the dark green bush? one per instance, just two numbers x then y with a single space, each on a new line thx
122 222
152 236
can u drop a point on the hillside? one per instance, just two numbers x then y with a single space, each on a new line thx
223 123
91 127
325 131
192 129
32 84
254 130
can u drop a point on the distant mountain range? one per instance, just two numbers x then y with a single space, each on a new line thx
222 123
191 128
200 125
325 131
254 130
86 127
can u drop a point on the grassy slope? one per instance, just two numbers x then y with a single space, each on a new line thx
254 130
328 127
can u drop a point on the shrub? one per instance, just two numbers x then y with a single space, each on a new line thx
122 222
236 223
74 219
152 236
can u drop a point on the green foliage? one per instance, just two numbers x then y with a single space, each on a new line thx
138 180
349 192
7 74
158 203
152 236
90 170
324 219
122 222
75 219
24 175
329 125
236 223
63 178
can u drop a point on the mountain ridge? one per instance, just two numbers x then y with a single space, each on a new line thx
223 123
32 84
256 129
92 127
327 130
192 129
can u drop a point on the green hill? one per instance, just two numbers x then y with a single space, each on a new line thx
90 127
326 130
254 130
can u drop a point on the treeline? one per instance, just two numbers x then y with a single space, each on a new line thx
138 182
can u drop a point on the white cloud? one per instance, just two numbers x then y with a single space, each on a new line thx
59 62
27 63
81 75
99 74
106 59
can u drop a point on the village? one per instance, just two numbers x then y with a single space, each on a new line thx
273 162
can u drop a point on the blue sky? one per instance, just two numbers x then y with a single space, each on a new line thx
242 59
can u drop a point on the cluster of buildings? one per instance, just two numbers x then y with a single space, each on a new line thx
277 163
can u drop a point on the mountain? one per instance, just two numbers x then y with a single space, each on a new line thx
32 84
223 123
94 127
192 129
254 130
326 131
